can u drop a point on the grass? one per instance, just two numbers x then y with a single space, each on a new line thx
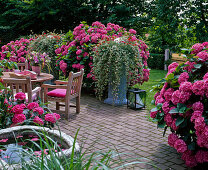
154 79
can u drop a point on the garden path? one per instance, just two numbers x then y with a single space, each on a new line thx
104 126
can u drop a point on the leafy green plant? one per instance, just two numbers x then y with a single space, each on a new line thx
77 160
112 59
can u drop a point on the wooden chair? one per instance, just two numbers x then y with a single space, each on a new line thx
22 85
64 91
23 66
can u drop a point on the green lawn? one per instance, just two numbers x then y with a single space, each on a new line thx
155 77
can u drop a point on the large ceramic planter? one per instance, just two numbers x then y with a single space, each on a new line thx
122 89
60 137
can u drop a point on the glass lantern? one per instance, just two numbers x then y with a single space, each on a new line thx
136 99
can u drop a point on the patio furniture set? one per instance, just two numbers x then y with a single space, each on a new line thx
62 91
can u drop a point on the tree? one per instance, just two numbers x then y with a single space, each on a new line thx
196 19
61 15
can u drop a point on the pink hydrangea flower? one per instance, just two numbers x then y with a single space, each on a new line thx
165 107
185 96
197 48
191 161
156 94
201 156
20 96
205 44
198 106
168 119
159 99
32 105
172 138
38 120
52 117
176 97
153 114
78 52
198 88
190 66
173 125
168 94
185 86
180 146
195 115
183 77
203 56
199 124
163 89
63 66
39 110
17 109
58 51
18 118
132 31
172 65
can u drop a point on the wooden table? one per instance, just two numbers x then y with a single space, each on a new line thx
40 79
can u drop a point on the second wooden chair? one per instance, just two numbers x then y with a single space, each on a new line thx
64 91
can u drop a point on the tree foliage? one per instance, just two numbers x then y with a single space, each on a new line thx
22 17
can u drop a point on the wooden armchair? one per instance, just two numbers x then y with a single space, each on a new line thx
22 85
65 91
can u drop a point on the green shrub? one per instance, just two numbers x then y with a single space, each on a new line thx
47 43
156 61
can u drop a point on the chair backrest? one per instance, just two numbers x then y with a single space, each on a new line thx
74 83
23 66
19 85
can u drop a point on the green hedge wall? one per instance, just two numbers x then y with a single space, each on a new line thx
156 61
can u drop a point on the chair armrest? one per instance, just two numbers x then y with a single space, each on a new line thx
47 86
60 82
37 89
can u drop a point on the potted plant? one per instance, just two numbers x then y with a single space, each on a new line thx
118 63
75 52
37 60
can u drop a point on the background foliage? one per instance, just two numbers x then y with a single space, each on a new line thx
169 24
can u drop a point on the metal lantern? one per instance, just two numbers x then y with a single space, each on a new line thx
136 98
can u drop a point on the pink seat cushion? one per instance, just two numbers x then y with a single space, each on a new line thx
57 93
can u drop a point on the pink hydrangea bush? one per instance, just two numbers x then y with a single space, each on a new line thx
182 105
17 112
15 51
76 53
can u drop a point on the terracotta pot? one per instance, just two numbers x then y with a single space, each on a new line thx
36 69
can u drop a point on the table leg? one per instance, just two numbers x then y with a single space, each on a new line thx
41 92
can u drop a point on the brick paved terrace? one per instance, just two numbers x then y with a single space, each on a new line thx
125 130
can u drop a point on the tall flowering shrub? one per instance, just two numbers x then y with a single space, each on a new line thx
77 52
182 105
115 59
17 50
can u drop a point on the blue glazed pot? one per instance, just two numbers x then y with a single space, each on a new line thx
121 98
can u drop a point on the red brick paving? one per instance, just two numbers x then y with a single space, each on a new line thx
128 131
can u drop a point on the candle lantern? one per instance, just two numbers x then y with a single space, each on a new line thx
136 98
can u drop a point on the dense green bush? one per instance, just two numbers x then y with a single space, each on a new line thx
47 43
156 61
